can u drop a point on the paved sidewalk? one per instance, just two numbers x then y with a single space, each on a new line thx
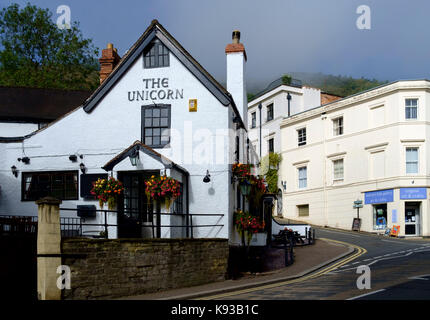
307 259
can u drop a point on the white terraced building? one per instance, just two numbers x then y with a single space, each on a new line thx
373 147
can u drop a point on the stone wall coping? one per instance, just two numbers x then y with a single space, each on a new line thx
144 241
49 200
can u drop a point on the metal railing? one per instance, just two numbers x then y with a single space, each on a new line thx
73 227
80 227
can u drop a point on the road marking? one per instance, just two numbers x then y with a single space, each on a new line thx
360 251
366 294
420 277
345 233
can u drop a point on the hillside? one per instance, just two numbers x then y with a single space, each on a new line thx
337 85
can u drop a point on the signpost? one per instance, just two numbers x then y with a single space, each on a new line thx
356 223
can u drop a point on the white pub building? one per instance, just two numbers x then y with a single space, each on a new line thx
158 107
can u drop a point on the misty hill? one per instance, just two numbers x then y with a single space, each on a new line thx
337 85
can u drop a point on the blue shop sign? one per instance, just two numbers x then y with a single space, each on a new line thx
380 196
413 193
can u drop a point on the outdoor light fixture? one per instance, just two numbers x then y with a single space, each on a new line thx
25 160
73 158
83 168
284 185
134 157
245 187
14 171
207 178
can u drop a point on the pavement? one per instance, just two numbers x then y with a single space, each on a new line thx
308 259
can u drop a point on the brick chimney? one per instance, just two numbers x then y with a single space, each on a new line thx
108 61
236 59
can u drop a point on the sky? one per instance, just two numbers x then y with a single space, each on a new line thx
280 36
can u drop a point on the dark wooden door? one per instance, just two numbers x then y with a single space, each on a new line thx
135 214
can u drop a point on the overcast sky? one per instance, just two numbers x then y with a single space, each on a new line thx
279 36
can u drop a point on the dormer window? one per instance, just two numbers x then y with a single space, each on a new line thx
156 55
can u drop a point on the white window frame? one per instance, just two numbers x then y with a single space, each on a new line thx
304 142
299 179
417 107
334 168
336 127
417 161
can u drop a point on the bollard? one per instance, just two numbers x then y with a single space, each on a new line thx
48 248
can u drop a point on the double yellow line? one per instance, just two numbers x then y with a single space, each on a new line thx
359 252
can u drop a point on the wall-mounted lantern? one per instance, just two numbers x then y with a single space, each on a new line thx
83 168
25 160
245 187
14 171
207 178
134 157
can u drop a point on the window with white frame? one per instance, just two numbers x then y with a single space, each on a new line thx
303 177
338 169
338 126
254 119
411 108
411 160
301 134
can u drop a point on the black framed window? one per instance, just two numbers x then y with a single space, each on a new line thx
179 202
156 125
271 145
156 55
62 185
270 112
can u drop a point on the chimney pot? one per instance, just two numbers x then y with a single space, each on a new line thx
109 46
236 36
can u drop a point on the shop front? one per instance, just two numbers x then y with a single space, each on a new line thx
413 209
379 201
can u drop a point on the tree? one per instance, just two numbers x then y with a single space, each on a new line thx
36 53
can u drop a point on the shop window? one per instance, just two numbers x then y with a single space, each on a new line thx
57 184
380 216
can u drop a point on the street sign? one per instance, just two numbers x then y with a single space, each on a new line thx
356 206
356 224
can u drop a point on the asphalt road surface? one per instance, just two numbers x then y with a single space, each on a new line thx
399 269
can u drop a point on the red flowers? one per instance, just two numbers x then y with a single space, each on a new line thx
107 190
244 221
162 188
241 170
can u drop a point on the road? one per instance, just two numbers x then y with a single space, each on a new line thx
399 269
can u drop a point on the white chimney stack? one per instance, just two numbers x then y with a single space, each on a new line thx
236 58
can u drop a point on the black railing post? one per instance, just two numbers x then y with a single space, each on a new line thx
106 227
191 224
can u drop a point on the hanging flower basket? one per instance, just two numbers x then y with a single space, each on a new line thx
163 190
107 190
241 170
247 225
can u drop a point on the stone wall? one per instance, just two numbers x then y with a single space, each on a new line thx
103 269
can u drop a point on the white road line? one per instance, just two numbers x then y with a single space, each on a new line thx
345 233
366 294
420 277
